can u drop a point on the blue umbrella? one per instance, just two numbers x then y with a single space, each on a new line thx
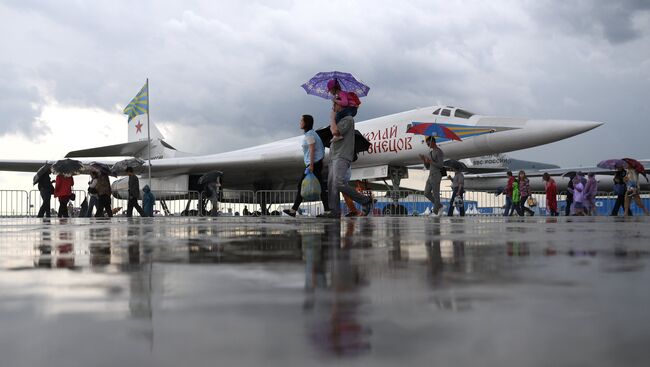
317 85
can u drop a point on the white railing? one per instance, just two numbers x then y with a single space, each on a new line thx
19 203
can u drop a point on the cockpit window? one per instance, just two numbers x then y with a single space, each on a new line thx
446 112
436 112
463 114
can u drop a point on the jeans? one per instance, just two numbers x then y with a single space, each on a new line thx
509 207
45 207
93 202
455 193
620 201
337 183
432 190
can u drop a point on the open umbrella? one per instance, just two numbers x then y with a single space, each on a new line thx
119 168
637 166
212 176
45 170
612 164
317 85
454 164
432 129
101 168
67 167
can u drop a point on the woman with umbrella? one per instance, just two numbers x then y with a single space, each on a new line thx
46 189
632 193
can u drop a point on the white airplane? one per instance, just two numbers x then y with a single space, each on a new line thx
277 165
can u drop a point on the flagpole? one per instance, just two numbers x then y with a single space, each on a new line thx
149 134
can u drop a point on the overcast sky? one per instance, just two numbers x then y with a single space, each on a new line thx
225 75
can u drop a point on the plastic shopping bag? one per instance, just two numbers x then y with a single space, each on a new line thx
310 188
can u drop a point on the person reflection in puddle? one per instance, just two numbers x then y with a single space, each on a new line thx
65 249
337 329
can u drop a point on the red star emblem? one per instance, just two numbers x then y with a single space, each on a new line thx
138 127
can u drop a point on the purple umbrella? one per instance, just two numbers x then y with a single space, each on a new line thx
317 85
612 164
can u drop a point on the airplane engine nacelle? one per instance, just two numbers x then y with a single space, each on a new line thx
164 188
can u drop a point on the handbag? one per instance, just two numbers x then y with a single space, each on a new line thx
532 201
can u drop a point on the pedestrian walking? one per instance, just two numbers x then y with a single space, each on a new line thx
591 190
148 201
516 197
93 198
507 191
568 210
524 191
578 196
457 193
341 156
632 192
103 188
550 189
63 191
212 189
134 194
46 190
619 190
313 152
434 161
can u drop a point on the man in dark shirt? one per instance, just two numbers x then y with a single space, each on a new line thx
46 189
134 194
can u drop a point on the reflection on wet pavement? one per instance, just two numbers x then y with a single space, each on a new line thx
363 291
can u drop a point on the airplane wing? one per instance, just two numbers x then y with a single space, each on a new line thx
22 166
125 150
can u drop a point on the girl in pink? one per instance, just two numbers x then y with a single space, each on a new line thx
349 103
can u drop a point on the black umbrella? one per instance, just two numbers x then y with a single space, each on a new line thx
121 166
67 167
454 164
45 170
361 144
102 168
210 177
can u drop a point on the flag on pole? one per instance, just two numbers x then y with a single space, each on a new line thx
139 105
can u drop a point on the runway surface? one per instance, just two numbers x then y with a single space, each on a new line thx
238 291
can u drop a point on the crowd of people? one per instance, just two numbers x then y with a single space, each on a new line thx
98 198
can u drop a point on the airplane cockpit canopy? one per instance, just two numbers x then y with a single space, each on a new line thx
453 111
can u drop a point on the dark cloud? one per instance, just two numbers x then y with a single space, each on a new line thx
226 75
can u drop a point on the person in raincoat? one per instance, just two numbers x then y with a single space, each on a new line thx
46 190
515 197
458 190
148 200
551 194
591 189
578 196
63 191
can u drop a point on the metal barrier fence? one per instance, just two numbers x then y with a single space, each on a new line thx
19 203
14 203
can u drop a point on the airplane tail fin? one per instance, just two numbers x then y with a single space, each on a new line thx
136 146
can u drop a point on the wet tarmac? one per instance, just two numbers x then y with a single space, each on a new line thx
361 292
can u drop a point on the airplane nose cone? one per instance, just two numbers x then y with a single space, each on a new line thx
562 128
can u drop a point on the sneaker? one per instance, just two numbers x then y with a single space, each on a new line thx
290 212
367 208
329 215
